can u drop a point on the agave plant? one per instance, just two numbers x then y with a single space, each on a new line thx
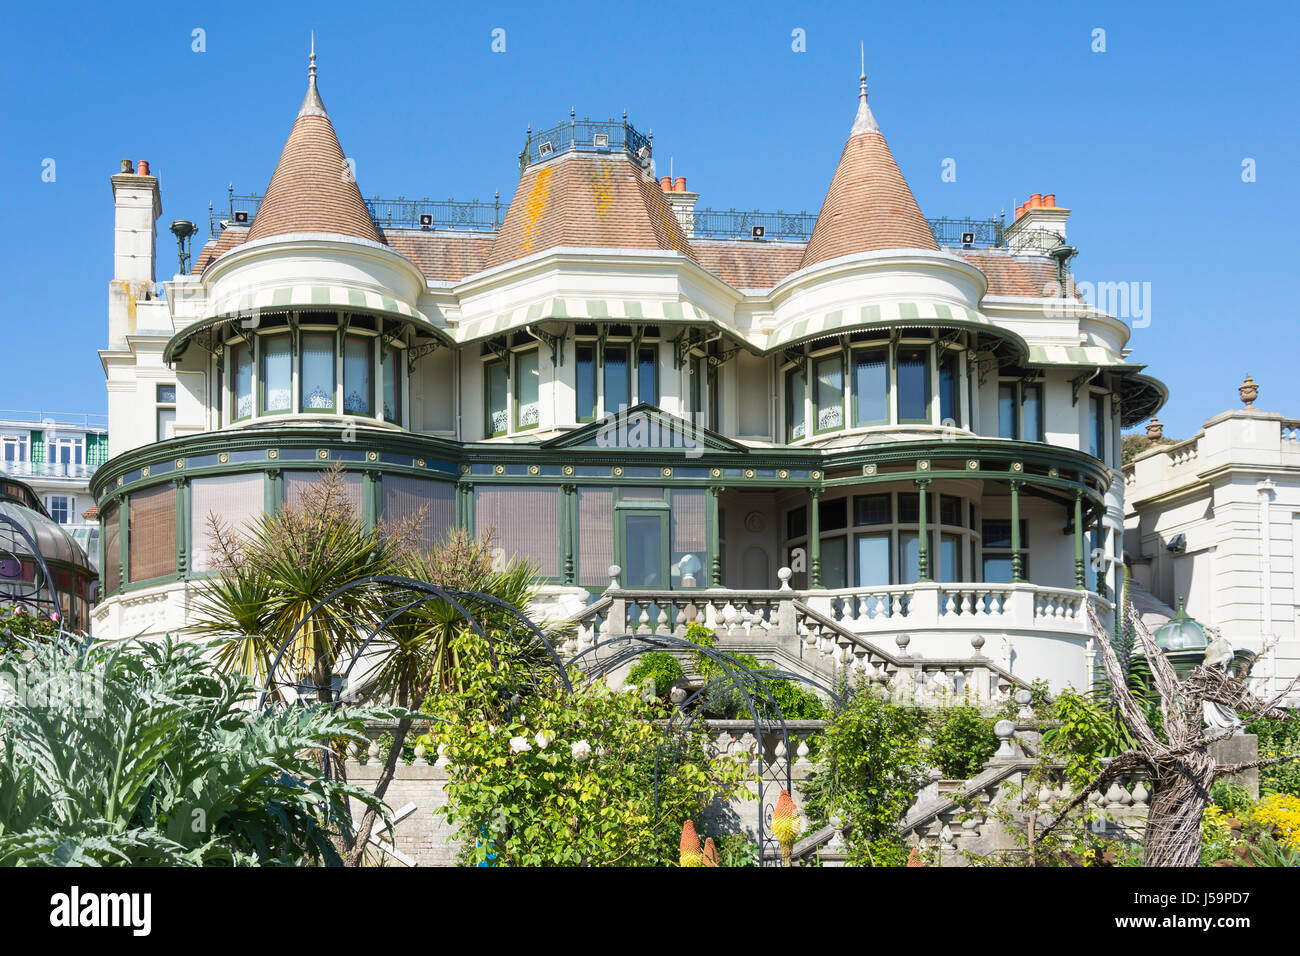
147 753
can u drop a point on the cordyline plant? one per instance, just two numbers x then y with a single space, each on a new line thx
1180 767
275 571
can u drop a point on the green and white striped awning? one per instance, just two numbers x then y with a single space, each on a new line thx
887 315
1080 356
308 297
587 310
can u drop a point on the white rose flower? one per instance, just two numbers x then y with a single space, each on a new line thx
519 745
581 750
543 740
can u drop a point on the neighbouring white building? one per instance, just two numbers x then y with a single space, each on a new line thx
918 419
55 455
1214 521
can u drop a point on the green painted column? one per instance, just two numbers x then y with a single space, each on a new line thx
272 491
923 530
814 538
123 545
370 492
713 538
1080 579
1017 570
568 524
182 526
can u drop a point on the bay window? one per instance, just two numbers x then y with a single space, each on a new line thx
914 384
949 413
618 379
390 372
496 393
871 387
829 396
647 371
1097 425
795 396
585 383
241 361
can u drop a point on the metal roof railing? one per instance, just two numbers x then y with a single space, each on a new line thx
87 420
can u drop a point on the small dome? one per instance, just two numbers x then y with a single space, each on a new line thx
1181 633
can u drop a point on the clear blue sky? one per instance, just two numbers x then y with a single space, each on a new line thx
1144 142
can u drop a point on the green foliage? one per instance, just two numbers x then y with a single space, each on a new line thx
872 766
569 779
146 753
19 626
736 849
1087 731
658 666
962 741
1231 798
1278 738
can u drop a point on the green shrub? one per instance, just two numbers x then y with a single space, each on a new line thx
1277 738
962 741
658 666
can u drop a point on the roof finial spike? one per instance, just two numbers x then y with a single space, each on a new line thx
864 122
311 61
862 77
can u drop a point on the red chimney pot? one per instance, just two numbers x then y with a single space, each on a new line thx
680 186
666 183
142 167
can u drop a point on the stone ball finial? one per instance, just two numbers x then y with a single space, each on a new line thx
1249 390
1155 429
784 574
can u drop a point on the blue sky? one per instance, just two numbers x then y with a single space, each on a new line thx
1144 142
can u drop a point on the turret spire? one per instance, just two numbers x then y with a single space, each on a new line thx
311 61
864 122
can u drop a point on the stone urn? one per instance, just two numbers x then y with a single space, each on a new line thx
1155 429
1249 391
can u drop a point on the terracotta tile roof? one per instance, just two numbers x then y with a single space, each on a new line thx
869 205
312 189
749 265
230 238
1014 275
587 200
443 256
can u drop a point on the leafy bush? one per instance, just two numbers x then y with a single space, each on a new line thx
1088 731
962 741
1232 799
1278 738
658 666
581 778
871 768
145 753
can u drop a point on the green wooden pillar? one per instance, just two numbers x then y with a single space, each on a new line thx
814 538
1016 563
1080 579
371 489
923 531
272 491
123 545
183 543
568 525
713 538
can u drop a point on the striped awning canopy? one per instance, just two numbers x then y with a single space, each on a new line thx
589 310
307 297
878 315
1080 356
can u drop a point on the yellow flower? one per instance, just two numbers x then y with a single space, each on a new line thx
1282 811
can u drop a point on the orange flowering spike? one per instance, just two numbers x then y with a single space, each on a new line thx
710 853
690 846
786 825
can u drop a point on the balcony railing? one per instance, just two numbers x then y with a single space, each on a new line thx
47 419
46 469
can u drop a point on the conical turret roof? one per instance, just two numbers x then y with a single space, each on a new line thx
869 205
313 189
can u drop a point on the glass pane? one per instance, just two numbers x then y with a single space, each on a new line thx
1095 426
830 393
392 395
617 381
277 375
167 394
950 550
647 382
871 386
166 423
527 378
950 510
243 363
909 507
794 405
585 384
873 559
997 568
698 374
318 372
909 557
871 509
498 417
948 390
833 515
997 533
644 551
835 569
796 523
1033 412
1007 412
914 384
687 539
357 390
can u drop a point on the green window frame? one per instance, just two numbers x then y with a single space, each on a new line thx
1031 397
912 375
870 386
358 375
1008 411
316 355
275 383
241 381
616 376
527 397
828 396
647 375
796 406
496 399
584 384
950 389
390 373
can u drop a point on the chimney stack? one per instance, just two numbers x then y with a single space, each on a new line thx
683 202
1039 225
137 205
